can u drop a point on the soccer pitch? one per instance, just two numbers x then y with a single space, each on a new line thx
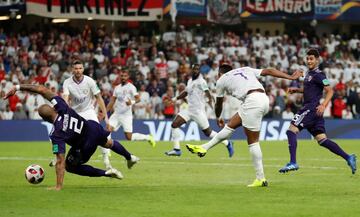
185 186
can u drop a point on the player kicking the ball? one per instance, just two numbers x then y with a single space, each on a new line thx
82 135
242 83
196 87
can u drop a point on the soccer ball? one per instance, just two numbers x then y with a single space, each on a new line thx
34 174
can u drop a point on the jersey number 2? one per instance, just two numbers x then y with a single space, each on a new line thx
74 125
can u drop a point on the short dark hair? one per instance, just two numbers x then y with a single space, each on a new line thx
313 51
76 62
225 68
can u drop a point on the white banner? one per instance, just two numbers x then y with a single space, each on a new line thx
122 10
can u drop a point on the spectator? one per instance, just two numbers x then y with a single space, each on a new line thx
347 114
169 104
19 113
7 114
287 114
142 108
339 106
156 106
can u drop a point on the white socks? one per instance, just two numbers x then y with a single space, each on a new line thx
175 137
225 133
105 156
139 136
256 155
213 134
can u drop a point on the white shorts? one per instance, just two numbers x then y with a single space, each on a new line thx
253 109
89 115
125 121
199 118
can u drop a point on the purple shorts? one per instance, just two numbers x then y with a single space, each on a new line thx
306 118
95 136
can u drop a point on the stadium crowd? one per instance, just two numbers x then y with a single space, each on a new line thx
159 66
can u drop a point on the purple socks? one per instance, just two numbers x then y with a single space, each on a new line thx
86 170
333 147
119 149
292 140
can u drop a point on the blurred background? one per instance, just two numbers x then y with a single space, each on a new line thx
158 41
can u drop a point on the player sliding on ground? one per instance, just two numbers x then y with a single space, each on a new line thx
242 83
79 91
83 136
310 116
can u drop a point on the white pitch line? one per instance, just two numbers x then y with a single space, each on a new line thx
161 162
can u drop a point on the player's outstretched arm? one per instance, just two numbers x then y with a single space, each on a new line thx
39 89
60 171
102 106
291 90
278 74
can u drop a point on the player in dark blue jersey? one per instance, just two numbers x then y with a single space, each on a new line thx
310 116
83 136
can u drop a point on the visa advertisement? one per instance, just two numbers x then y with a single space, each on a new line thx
271 129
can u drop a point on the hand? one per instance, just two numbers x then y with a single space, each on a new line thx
291 90
108 127
54 188
11 92
220 122
100 116
297 74
128 102
320 110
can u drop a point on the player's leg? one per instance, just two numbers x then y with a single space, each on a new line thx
336 149
234 122
127 124
291 134
256 155
76 159
256 105
91 115
203 122
121 150
175 135
305 118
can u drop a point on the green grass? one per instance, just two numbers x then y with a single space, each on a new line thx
185 186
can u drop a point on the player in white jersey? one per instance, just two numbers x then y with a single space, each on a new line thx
243 84
79 91
124 96
195 89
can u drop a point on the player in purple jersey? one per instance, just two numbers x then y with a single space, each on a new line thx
83 136
310 116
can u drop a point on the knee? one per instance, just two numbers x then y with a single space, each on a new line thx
69 168
108 144
321 142
128 136
207 132
290 133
